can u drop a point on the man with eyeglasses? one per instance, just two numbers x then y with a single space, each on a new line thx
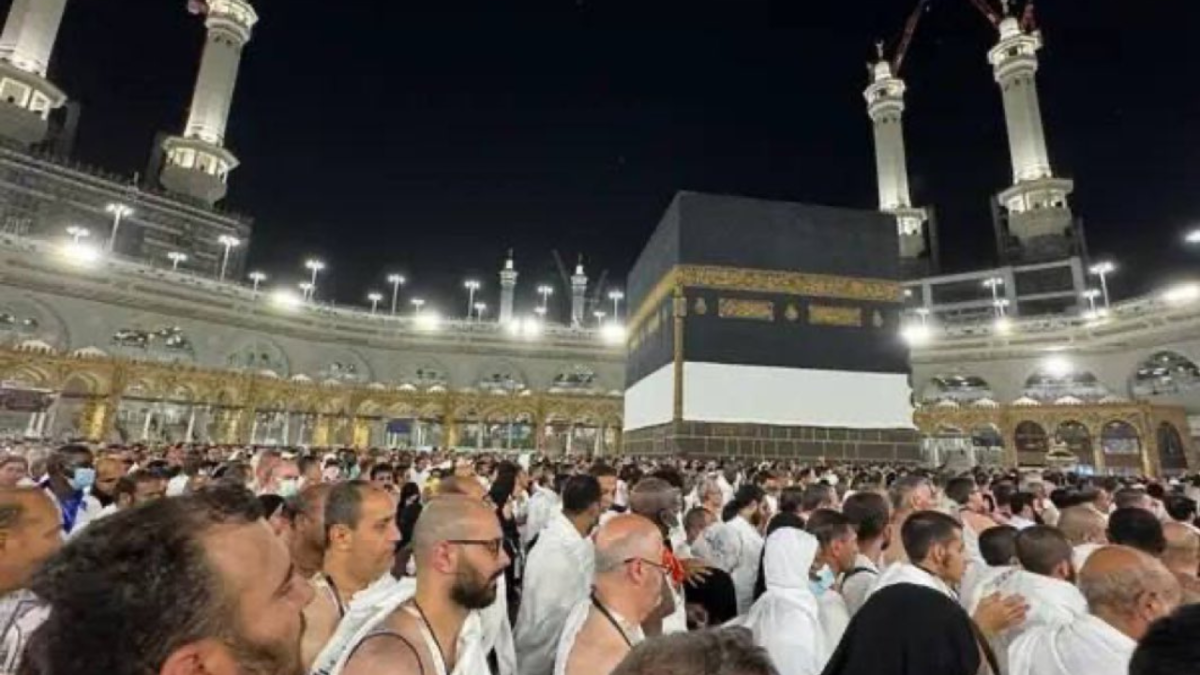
460 557
627 588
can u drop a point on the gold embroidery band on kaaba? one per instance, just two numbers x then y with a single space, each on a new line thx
767 281
739 308
822 315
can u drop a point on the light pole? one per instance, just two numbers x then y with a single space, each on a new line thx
1102 270
417 304
599 318
306 289
480 308
315 266
119 211
994 284
257 278
374 297
396 281
1193 237
1001 305
616 297
541 312
229 242
1090 295
76 233
175 257
471 287
545 291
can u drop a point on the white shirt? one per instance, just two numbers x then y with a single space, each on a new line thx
907 573
1052 602
543 505
1088 646
1020 523
558 574
745 560
856 588
88 511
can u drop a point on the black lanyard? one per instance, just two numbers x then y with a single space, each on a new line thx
337 598
433 635
612 620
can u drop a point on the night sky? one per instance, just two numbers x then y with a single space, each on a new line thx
429 137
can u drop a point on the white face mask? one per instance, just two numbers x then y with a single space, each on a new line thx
288 487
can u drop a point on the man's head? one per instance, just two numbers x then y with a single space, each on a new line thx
934 541
1182 555
629 563
310 469
869 514
1181 509
383 477
1132 498
108 471
791 499
147 487
307 513
720 651
1128 589
1022 504
838 540
708 491
468 486
818 496
998 545
223 598
1136 527
1044 550
581 498
459 550
71 468
1170 646
283 479
30 532
360 530
1083 525
696 521
657 500
606 474
965 493
910 493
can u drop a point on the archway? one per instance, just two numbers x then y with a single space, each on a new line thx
1122 446
1078 440
1172 454
1032 443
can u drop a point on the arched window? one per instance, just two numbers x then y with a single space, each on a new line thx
1078 440
258 356
958 388
1165 373
1172 454
1120 438
1031 439
1044 385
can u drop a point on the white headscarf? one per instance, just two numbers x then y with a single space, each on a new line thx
786 620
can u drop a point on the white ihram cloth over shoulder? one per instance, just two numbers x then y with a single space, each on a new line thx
857 586
578 617
786 619
558 574
1086 646
1082 552
1052 602
736 547
372 606
543 505
907 573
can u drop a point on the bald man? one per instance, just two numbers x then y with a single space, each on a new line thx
627 587
1086 529
1182 557
30 532
1126 590
460 556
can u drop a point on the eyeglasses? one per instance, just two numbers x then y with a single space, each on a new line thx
492 546
664 568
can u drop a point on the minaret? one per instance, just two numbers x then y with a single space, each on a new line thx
508 287
197 164
1038 214
579 282
885 105
26 96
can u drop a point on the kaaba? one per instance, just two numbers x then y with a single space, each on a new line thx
768 330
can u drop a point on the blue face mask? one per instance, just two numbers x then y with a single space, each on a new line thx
822 581
82 478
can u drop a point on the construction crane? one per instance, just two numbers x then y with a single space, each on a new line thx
988 11
1029 18
910 29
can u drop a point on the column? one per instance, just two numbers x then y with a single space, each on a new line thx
149 415
191 425
479 435
598 450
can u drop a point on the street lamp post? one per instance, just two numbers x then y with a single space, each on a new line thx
480 308
616 297
599 318
396 281
994 283
545 291
1090 295
417 304
76 233
176 257
1102 270
119 212
374 297
306 289
229 242
315 266
257 278
471 286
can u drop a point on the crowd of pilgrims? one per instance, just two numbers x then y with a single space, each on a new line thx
219 560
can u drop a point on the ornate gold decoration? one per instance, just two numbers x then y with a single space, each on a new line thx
741 308
824 315
792 313
700 306
767 281
877 319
